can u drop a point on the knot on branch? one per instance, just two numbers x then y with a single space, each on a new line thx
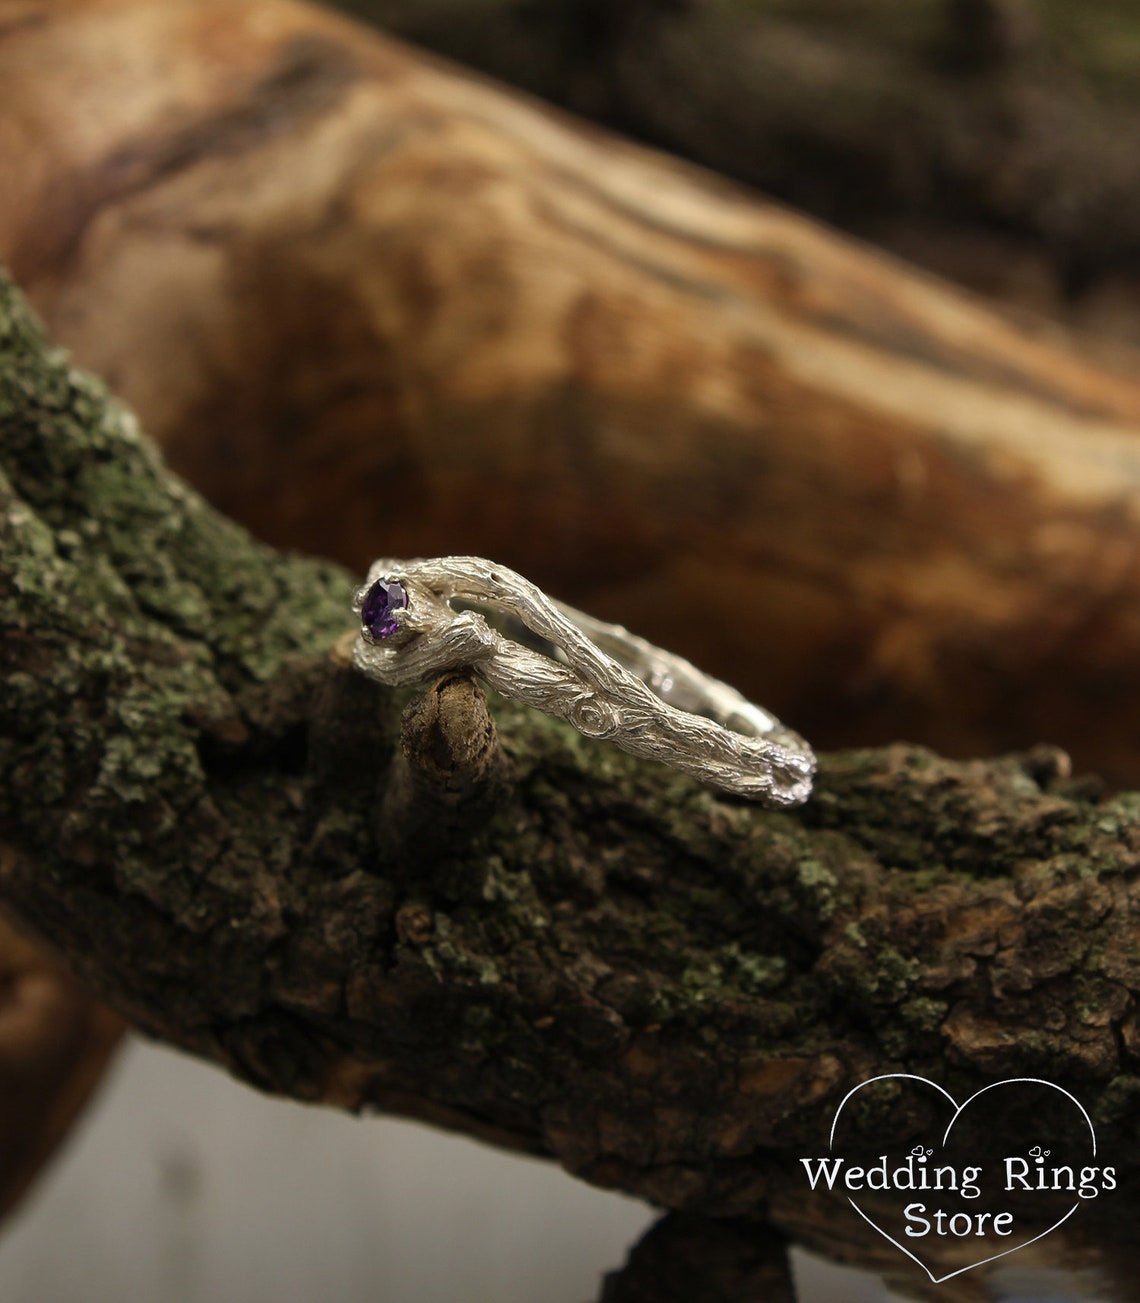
447 777
449 742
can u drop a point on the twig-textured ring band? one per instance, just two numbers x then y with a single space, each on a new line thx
421 618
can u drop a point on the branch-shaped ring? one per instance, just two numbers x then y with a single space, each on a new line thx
421 618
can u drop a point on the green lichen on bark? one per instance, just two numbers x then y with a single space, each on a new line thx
484 919
136 621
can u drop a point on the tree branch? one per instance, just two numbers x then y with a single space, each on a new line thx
601 961
689 1259
1001 126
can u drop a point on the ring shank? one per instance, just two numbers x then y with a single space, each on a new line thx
598 676
673 679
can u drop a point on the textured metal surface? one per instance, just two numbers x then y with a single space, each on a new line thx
599 677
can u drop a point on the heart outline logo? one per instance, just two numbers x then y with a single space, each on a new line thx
958 1110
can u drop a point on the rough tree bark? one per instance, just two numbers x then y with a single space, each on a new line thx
663 989
373 306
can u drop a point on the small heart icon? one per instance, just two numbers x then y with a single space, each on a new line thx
979 1131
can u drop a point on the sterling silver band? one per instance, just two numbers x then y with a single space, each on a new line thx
602 679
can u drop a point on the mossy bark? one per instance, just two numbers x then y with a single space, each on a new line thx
476 916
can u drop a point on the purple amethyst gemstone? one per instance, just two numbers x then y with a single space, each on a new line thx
376 611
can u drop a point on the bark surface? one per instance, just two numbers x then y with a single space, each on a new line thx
223 828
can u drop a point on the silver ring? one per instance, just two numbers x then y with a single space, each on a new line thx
424 617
